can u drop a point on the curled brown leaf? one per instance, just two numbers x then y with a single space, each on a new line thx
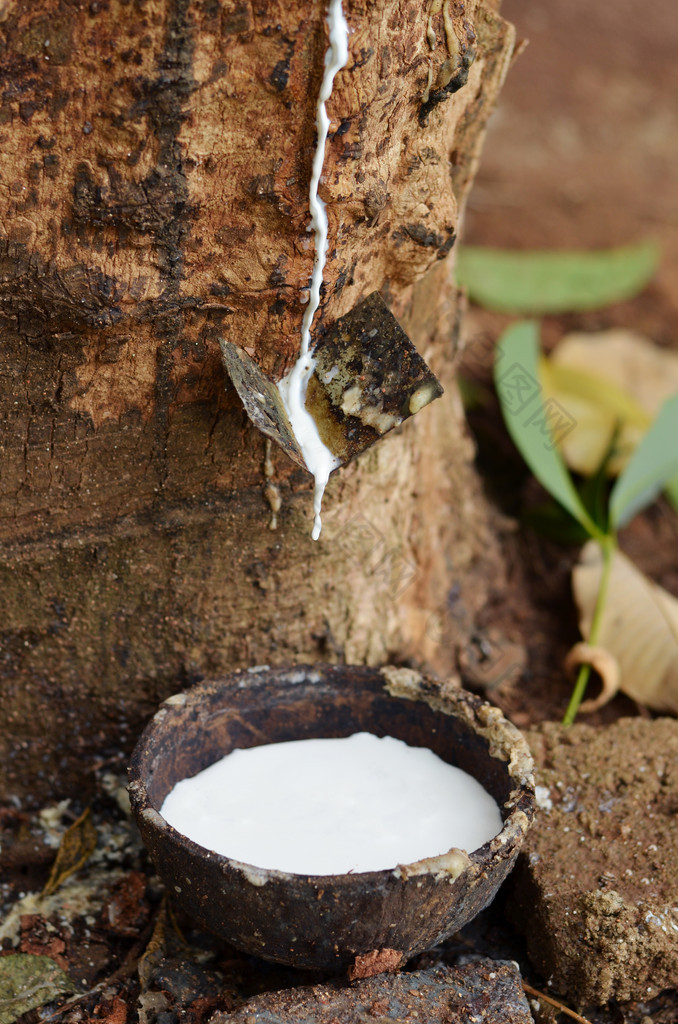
638 631
77 846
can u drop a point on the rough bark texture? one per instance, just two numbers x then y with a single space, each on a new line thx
154 169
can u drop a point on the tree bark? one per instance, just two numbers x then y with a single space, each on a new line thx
154 167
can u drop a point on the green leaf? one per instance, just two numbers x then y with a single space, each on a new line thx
554 282
671 491
652 466
28 981
535 423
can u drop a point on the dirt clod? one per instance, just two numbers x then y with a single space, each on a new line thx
595 887
370 964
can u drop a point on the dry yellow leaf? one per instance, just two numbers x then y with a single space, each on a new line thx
608 380
77 845
637 646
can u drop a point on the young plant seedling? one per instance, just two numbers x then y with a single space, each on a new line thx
537 424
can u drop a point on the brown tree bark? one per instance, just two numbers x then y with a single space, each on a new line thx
154 172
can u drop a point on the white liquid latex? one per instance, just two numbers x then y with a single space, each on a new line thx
319 459
330 806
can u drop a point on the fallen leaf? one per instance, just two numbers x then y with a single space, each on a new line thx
607 381
128 909
27 982
41 939
77 845
548 281
603 664
638 631
156 946
112 1011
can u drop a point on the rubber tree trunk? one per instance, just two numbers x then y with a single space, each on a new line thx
154 173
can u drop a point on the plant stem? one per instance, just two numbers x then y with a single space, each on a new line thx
608 547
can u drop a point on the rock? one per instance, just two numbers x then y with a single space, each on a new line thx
184 981
594 890
482 992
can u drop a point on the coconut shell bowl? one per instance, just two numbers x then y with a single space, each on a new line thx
330 921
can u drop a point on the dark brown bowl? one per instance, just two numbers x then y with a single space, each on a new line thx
329 920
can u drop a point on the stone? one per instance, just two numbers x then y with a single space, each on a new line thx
481 992
595 890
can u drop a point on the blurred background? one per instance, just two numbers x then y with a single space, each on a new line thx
583 148
581 153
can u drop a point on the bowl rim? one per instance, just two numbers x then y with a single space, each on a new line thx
443 696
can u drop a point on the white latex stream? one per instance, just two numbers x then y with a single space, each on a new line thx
319 459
